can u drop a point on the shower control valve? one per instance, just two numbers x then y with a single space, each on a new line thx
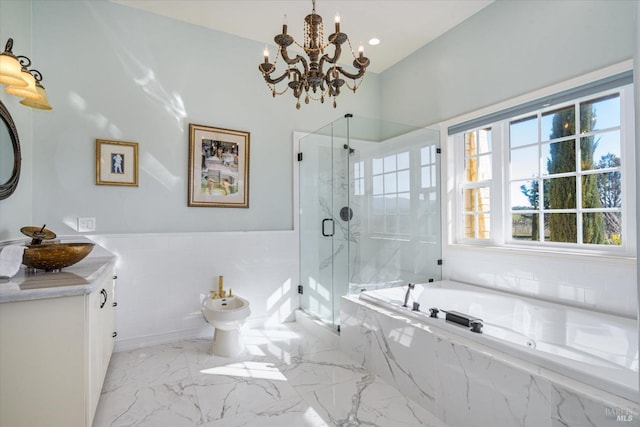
416 306
434 312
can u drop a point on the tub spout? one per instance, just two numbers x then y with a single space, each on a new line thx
406 296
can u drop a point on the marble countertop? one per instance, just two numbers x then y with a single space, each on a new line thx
78 279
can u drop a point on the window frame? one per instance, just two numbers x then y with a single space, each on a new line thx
417 194
500 204
383 174
476 212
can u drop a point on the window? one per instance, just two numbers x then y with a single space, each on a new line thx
358 178
401 185
561 176
565 177
429 210
476 189
391 193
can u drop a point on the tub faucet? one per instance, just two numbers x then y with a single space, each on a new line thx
406 296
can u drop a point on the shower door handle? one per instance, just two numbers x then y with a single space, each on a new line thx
324 227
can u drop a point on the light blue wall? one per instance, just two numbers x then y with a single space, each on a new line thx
508 49
16 211
113 72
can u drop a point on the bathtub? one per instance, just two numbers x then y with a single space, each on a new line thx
597 349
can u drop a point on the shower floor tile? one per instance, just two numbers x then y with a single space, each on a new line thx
287 378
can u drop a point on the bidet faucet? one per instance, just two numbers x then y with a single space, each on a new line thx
406 296
221 291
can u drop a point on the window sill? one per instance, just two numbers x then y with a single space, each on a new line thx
518 250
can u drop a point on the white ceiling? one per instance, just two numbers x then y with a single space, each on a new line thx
401 25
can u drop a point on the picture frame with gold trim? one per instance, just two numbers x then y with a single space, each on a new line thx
116 163
218 167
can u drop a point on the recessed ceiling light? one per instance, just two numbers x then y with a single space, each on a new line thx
374 41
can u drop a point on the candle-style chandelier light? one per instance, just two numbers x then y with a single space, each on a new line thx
308 76
22 81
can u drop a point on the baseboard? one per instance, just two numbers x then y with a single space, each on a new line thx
205 331
165 338
318 328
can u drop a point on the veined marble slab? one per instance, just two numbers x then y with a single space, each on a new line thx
78 279
469 385
287 377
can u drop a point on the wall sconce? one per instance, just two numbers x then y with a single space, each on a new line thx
22 82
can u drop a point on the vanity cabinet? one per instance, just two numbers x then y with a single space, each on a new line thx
54 353
101 338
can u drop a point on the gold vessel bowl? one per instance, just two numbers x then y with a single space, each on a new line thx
54 256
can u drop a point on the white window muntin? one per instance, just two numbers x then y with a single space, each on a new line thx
625 93
501 200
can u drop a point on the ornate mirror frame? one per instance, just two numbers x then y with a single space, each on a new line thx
7 188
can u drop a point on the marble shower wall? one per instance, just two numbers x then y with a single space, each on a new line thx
467 385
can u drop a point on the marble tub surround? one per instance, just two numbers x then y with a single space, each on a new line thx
465 383
77 279
594 348
287 377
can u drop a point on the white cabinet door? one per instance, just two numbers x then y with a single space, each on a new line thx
100 339
54 354
42 362
108 323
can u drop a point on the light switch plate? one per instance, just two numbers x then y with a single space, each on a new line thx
86 224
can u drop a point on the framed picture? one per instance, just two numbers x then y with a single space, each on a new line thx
218 167
116 163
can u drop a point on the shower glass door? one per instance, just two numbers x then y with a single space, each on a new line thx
322 233
370 212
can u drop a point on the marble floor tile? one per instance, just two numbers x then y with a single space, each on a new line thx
170 405
368 401
290 413
241 387
317 370
286 377
160 364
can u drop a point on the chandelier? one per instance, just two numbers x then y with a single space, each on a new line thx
22 81
308 76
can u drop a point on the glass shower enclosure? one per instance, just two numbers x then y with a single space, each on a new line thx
370 213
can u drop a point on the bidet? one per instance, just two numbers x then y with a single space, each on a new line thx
226 315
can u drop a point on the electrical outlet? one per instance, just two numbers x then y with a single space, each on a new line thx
86 224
